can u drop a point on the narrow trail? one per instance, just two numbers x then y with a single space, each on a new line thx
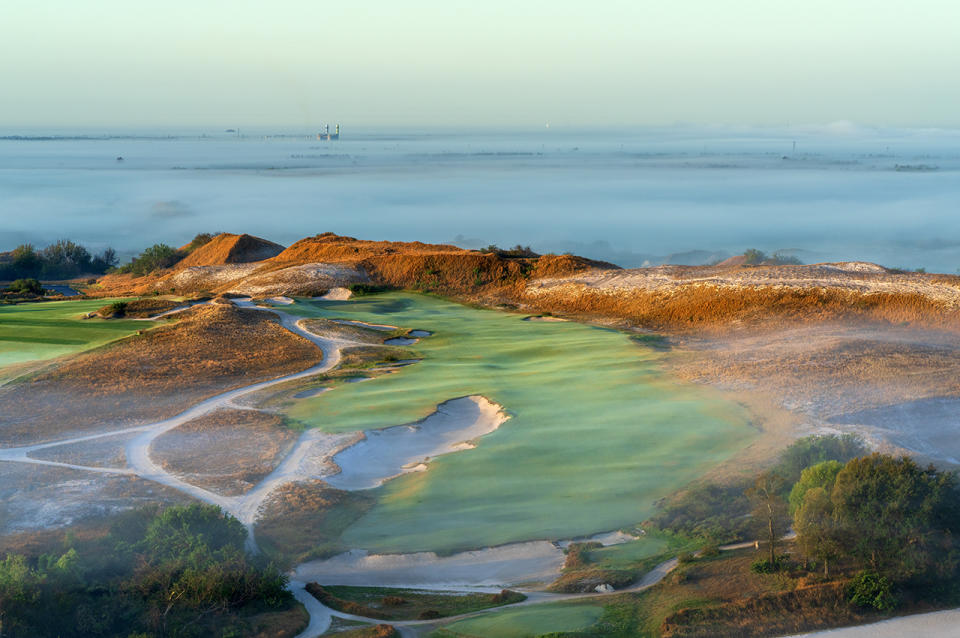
244 507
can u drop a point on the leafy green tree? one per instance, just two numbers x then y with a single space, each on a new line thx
818 534
154 258
25 261
898 518
870 589
821 475
754 256
811 450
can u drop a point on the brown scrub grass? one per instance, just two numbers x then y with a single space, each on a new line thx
720 596
227 451
151 376
695 308
304 521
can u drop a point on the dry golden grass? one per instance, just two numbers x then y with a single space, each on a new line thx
141 308
302 521
227 451
153 375
227 248
704 308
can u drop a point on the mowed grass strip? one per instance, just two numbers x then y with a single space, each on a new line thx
524 622
598 432
41 331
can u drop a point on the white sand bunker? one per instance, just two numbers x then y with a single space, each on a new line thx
939 624
504 566
364 324
279 301
546 318
390 452
336 294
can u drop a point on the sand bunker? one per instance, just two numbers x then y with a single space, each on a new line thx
388 453
280 301
505 566
940 624
546 318
400 341
336 294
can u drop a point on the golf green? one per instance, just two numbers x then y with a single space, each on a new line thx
41 331
597 431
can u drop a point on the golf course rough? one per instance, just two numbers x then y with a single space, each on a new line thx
42 331
597 431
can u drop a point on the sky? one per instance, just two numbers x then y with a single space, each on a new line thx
527 63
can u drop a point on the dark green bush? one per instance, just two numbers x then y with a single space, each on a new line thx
870 589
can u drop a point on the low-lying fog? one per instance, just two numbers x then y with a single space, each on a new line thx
632 197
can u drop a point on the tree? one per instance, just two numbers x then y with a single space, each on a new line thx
817 532
154 258
811 450
821 475
898 518
754 256
769 507
64 259
26 287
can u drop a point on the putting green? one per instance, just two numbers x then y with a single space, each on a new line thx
598 433
525 622
46 330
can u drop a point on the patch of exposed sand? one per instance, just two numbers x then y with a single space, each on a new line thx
505 566
390 452
336 294
227 451
364 324
939 624
545 318
305 280
400 341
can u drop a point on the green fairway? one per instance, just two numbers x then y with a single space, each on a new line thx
598 433
525 622
40 331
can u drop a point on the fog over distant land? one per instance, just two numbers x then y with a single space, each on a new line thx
633 196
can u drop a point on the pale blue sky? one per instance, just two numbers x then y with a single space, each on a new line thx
297 63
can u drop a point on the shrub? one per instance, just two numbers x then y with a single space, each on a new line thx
710 549
685 557
26 286
870 589
766 566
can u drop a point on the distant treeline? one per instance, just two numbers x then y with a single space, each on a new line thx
66 259
62 260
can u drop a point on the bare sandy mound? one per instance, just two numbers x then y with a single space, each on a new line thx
305 280
388 453
146 377
227 248
939 624
505 566
227 451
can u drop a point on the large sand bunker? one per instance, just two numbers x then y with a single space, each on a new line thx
390 452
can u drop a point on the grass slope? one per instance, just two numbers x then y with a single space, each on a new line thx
524 622
598 432
40 331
